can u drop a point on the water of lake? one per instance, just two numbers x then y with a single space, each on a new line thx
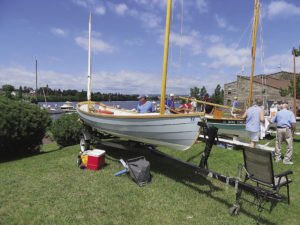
121 104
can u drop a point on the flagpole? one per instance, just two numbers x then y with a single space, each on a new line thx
295 80
89 61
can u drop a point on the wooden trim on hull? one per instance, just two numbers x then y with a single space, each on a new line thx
133 115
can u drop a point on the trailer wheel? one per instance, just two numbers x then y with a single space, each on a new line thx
84 144
234 210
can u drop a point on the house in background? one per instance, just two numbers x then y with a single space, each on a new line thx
266 87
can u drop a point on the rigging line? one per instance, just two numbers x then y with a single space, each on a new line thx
181 31
172 36
262 57
249 41
249 25
241 37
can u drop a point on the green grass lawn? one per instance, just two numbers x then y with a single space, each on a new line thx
50 189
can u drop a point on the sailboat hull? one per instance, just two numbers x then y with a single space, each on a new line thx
175 131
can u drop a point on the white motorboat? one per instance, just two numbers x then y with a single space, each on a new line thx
68 107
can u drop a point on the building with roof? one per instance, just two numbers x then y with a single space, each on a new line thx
266 87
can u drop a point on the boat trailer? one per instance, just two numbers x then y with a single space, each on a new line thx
261 195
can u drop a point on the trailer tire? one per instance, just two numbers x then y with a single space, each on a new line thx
84 144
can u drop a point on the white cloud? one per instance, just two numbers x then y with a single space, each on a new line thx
100 10
59 32
279 62
150 20
201 5
98 45
277 8
91 5
134 42
127 82
190 41
81 3
120 9
228 57
222 23
214 38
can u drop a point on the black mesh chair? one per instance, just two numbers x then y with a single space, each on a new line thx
259 168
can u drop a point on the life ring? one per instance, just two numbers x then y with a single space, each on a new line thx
104 111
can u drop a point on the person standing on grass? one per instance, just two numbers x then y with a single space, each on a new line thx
286 124
254 116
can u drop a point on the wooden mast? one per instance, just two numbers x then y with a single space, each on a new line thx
253 50
165 59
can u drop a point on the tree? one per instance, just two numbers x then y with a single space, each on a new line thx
22 126
20 93
218 95
194 92
290 90
8 89
296 52
203 92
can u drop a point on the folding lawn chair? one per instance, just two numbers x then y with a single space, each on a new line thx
258 165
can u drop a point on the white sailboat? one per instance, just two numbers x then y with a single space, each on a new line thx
177 131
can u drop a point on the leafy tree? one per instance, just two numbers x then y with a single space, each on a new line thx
22 126
203 92
8 89
284 92
20 92
67 130
296 52
290 90
218 95
194 92
291 87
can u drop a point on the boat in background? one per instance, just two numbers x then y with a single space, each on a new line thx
68 107
52 110
233 125
177 131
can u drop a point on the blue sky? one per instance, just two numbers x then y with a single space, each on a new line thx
210 42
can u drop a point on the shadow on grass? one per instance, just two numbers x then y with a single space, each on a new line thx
174 169
13 156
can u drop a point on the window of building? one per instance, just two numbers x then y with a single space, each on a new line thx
229 91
